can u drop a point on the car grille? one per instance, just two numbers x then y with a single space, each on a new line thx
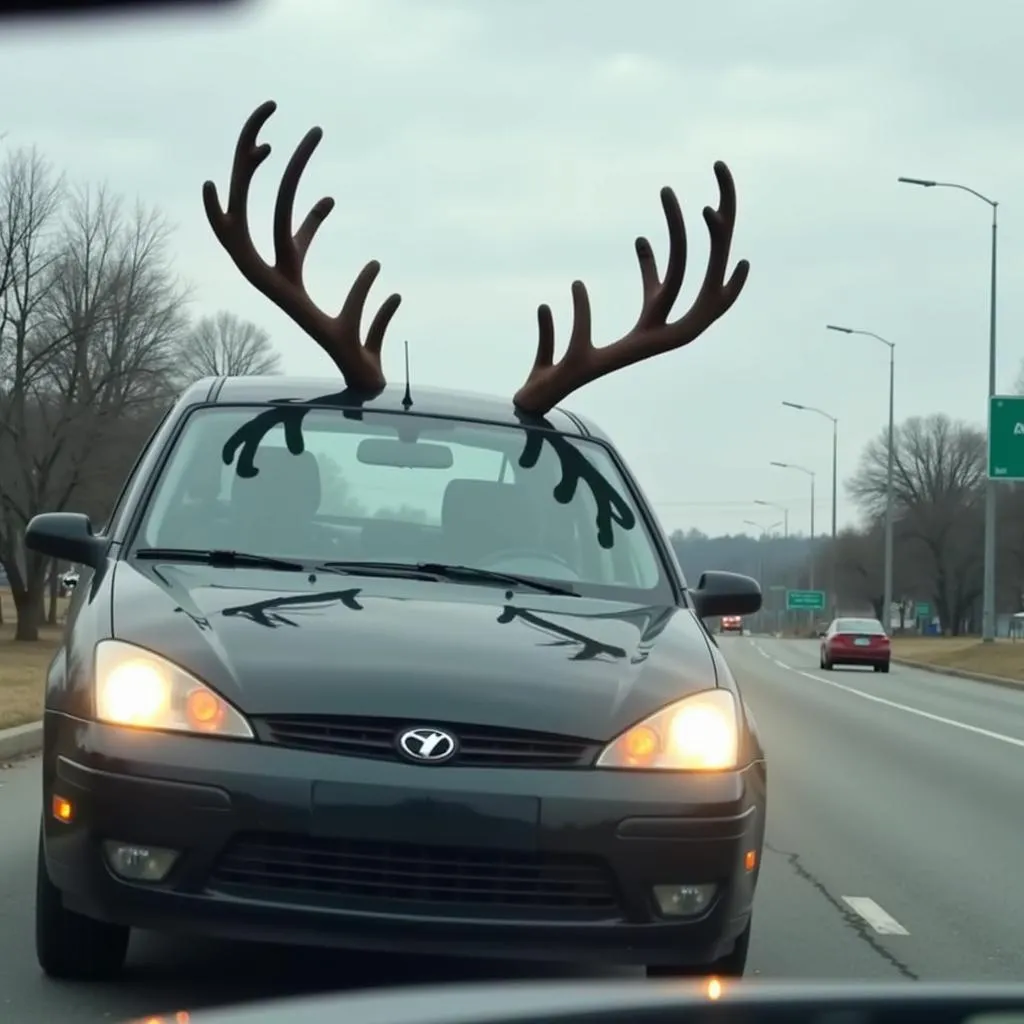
359 874
479 746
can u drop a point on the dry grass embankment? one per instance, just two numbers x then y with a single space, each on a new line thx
966 653
23 668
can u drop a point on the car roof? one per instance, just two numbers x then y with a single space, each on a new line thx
428 401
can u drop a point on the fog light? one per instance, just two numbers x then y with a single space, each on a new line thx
62 809
139 863
683 900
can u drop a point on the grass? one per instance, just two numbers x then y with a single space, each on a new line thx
23 668
1003 658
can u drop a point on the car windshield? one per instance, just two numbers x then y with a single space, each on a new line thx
858 626
404 489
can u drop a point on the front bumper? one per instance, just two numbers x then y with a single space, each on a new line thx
289 846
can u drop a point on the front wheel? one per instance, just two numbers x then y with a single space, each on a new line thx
732 965
68 945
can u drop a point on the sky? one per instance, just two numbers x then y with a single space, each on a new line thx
488 152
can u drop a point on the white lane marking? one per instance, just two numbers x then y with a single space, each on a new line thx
883 923
977 730
781 664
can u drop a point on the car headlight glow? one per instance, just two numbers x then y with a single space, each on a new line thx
698 733
134 687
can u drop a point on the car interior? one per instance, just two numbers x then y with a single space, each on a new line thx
514 525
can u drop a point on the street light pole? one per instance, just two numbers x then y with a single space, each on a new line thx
887 588
988 603
811 474
765 531
783 510
833 562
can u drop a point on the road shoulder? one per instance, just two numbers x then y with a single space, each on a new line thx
21 740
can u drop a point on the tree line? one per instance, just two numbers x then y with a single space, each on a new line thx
939 474
96 339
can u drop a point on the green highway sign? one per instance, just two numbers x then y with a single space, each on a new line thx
1006 437
806 600
922 610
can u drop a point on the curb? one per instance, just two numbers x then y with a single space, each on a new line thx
941 670
21 740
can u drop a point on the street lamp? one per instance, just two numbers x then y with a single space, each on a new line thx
810 473
988 604
835 475
782 509
889 490
765 531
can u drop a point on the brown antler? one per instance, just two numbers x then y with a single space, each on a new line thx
338 336
550 382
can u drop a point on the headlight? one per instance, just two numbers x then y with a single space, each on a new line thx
136 688
698 733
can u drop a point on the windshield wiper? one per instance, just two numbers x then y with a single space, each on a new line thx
470 572
449 572
222 557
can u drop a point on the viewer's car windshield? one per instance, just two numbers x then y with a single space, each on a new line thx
859 626
405 489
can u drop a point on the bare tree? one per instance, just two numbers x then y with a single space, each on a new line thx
97 333
227 346
939 469
30 196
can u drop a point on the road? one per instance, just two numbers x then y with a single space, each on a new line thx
895 842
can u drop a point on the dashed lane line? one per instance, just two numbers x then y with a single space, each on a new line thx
876 916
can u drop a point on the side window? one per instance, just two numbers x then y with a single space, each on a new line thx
133 475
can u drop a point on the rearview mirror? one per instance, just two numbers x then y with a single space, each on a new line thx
66 536
726 593
382 451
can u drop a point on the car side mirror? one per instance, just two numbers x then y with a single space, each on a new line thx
726 593
66 536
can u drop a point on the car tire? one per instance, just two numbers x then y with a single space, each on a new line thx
70 946
827 665
882 666
732 965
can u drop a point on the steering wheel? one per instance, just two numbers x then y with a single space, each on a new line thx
509 553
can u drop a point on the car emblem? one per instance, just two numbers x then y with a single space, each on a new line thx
430 745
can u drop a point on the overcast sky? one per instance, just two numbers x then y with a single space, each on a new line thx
490 151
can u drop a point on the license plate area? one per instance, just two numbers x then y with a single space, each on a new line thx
427 817
862 641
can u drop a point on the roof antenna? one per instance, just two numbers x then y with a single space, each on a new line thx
407 400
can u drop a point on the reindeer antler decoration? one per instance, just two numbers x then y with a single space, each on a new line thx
549 382
338 336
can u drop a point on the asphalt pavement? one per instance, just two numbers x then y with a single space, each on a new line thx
895 844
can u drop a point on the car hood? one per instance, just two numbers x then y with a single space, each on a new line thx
286 643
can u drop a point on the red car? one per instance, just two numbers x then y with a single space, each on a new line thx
856 642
